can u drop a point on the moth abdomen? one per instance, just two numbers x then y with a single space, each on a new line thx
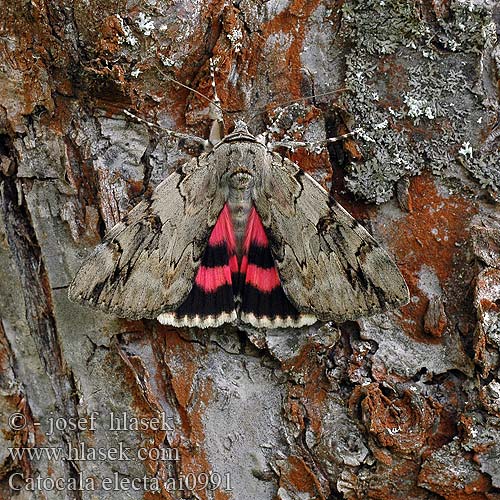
239 202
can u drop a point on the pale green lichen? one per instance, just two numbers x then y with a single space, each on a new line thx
416 89
486 169
469 28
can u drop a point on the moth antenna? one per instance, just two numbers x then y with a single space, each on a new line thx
198 93
215 112
165 131
292 101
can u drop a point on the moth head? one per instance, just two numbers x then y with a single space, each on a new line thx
240 133
240 178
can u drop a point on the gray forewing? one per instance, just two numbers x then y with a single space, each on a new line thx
147 262
328 263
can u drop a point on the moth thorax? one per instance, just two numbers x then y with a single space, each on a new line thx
240 203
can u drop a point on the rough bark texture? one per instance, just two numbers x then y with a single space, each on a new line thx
405 405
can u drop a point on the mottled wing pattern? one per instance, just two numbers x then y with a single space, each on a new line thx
147 263
328 264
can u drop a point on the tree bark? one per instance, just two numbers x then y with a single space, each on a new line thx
401 405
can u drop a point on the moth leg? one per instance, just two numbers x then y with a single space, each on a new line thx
215 112
313 144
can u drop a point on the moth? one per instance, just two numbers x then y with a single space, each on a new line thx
239 234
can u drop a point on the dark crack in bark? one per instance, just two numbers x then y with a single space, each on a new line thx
40 317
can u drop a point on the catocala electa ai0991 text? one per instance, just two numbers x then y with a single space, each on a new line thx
239 234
